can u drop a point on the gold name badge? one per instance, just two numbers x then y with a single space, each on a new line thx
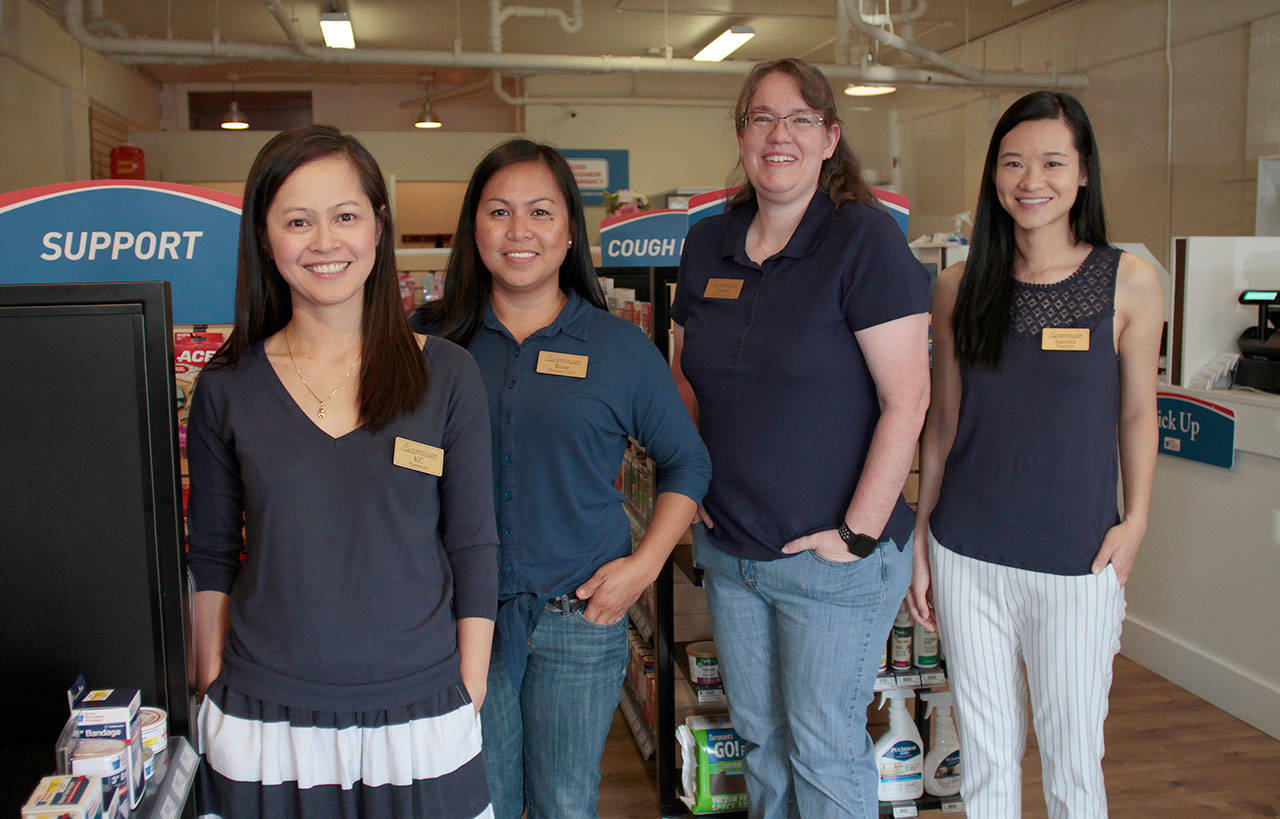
419 457
1064 338
568 364
722 289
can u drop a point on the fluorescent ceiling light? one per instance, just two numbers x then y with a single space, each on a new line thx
233 120
336 28
426 119
724 45
855 90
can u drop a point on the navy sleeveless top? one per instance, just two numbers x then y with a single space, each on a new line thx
1031 478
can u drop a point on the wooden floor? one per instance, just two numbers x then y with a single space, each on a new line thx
1169 754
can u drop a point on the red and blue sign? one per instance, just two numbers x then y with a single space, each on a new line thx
655 238
127 230
1196 429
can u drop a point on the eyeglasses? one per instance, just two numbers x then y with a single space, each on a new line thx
764 121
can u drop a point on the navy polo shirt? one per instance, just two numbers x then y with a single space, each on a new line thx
787 405
558 443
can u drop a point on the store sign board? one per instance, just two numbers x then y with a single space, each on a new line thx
598 171
654 238
1196 429
134 230
646 238
711 203
899 207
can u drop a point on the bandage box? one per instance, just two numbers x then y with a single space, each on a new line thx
112 713
74 797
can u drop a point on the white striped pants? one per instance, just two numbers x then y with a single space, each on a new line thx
1066 631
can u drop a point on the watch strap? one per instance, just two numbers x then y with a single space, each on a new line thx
859 545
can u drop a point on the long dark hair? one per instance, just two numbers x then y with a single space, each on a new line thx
467 281
984 301
393 375
841 175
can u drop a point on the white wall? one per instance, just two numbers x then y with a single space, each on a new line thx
47 82
1225 76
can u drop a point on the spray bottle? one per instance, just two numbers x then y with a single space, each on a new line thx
900 752
942 763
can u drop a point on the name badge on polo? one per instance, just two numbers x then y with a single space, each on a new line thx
722 289
566 364
418 457
1064 338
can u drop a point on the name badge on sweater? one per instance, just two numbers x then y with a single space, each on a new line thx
1064 338
567 364
722 289
419 457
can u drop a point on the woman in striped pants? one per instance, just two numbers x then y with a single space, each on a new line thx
1045 348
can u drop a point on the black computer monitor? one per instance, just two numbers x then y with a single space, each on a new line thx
91 561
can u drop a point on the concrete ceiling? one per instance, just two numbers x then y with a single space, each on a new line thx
623 28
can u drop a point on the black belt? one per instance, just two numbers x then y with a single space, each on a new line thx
566 604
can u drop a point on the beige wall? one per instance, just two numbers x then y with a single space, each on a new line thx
1226 95
47 83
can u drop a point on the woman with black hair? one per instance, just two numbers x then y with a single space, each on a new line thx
801 317
1045 352
568 383
346 462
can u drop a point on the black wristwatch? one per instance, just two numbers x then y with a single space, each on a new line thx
859 545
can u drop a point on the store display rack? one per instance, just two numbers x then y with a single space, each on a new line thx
168 795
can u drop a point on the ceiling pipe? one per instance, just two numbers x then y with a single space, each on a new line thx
843 40
288 25
142 50
902 17
98 23
501 94
499 15
902 44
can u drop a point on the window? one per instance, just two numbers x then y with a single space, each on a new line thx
264 110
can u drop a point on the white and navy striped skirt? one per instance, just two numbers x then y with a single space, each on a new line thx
266 760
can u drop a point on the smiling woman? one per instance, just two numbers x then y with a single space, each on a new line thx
523 233
1044 394
340 530
323 234
567 384
805 538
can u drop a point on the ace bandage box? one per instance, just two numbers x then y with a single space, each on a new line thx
112 713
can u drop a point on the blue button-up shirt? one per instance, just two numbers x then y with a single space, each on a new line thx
558 442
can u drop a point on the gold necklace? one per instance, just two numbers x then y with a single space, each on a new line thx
345 376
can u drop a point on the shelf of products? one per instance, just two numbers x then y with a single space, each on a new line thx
167 795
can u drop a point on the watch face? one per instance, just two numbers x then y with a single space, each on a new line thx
863 545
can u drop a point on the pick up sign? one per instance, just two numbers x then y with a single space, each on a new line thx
1196 429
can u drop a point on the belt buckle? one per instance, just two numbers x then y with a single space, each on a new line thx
566 604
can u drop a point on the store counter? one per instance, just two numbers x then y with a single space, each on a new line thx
1201 596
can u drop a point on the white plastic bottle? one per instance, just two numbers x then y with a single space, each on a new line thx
900 640
900 752
942 763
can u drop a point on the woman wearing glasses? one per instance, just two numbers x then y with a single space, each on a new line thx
802 328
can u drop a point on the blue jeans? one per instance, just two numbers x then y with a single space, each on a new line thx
799 641
543 743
